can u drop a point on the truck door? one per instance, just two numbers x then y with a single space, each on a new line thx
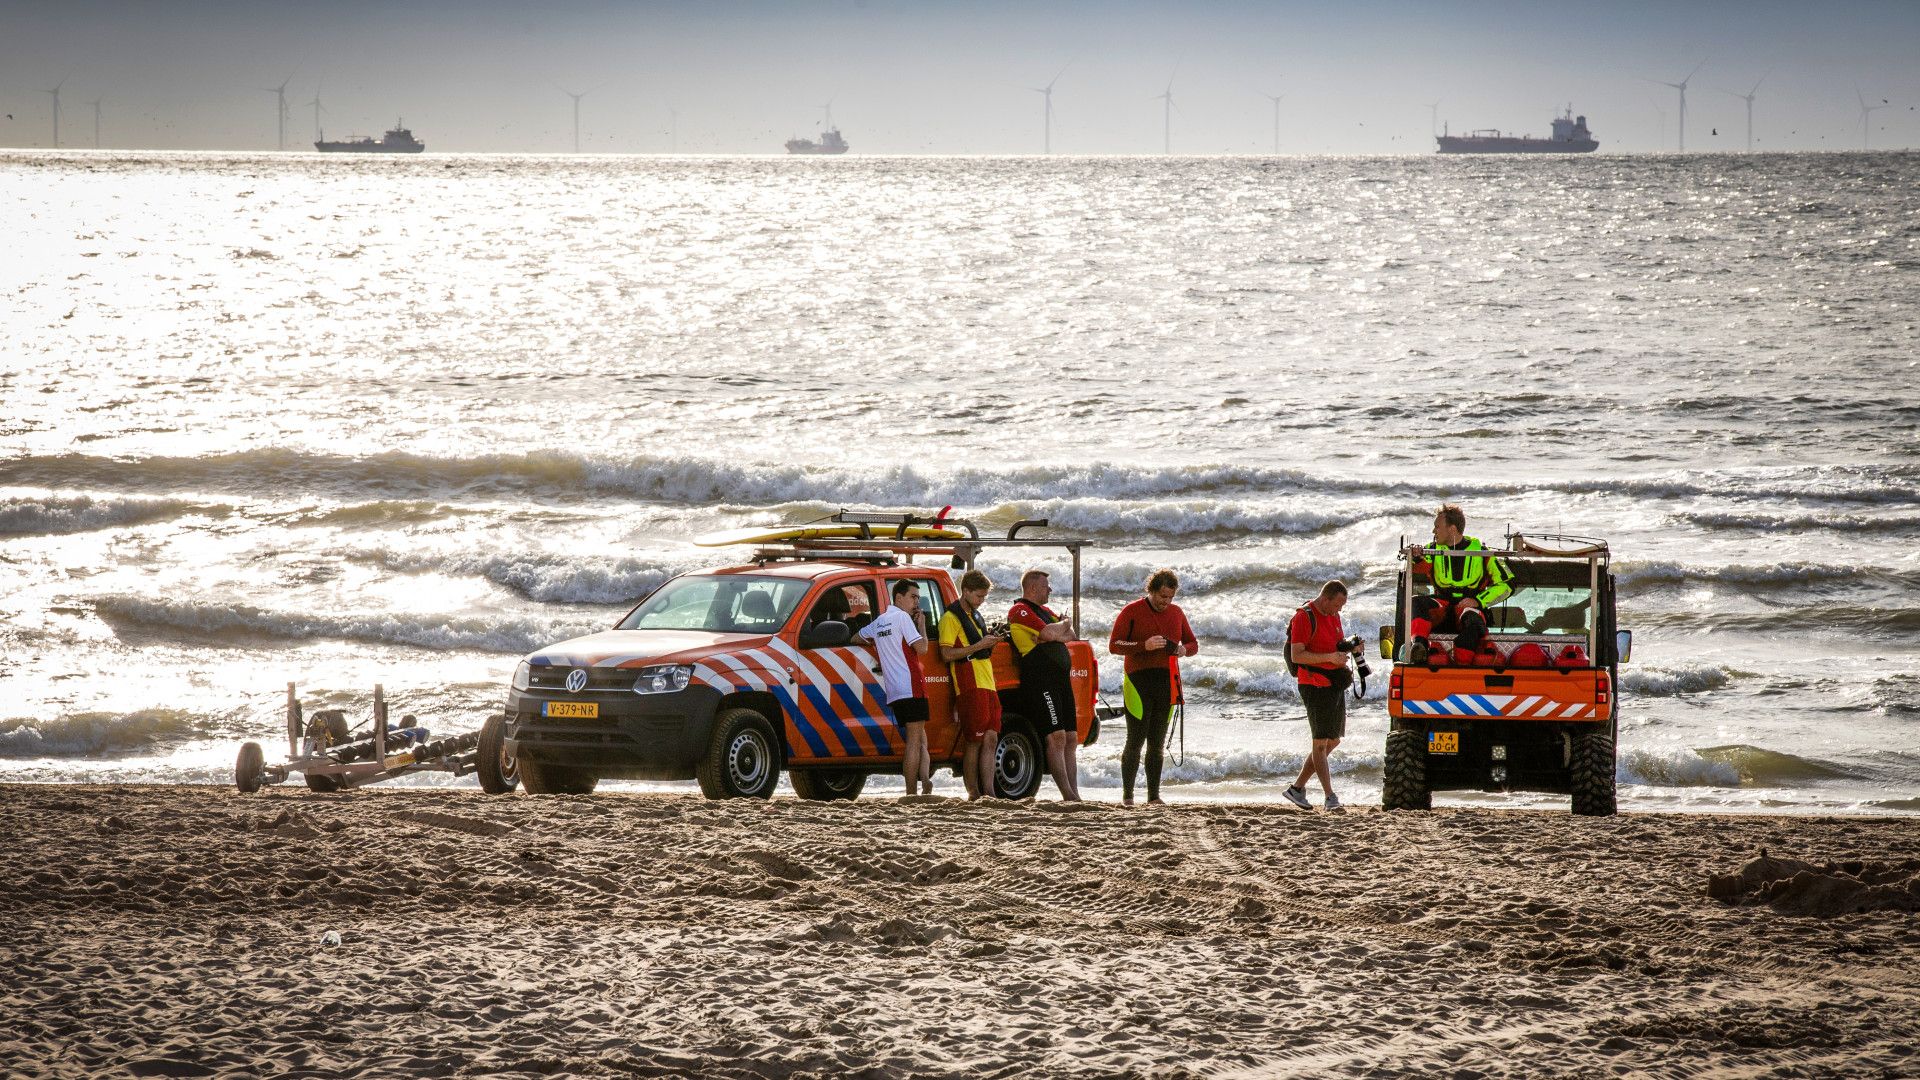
838 709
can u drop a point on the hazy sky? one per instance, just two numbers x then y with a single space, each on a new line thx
955 77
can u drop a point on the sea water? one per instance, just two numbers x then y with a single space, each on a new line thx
344 421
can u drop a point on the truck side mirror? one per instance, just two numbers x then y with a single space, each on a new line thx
825 634
1623 645
1386 643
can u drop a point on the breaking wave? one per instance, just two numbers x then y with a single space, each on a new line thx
1774 522
94 733
59 515
547 578
1667 682
504 634
1641 574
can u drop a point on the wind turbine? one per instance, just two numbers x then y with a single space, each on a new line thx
319 133
1047 93
1275 98
828 110
1682 87
1433 118
1865 111
56 110
1748 98
1167 134
576 110
96 122
280 97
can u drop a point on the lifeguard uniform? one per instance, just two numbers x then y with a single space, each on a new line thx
1046 670
1484 581
974 689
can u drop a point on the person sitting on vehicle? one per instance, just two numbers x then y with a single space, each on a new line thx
966 645
1463 588
1046 676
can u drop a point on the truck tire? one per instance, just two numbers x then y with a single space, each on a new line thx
1021 761
743 760
327 728
499 772
542 779
248 767
1405 786
1593 775
828 785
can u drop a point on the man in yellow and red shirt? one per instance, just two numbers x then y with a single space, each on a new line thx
1046 677
968 648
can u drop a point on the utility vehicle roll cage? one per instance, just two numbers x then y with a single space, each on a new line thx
1531 547
874 547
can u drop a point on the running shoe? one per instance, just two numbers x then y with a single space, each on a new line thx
1333 801
1297 797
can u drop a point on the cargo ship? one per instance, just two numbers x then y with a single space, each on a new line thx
398 140
1570 136
830 143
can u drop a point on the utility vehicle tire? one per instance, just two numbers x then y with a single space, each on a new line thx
1593 776
1021 761
743 760
828 785
499 772
328 727
1405 786
554 779
248 767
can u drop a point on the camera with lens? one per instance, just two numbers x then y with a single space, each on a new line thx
1358 648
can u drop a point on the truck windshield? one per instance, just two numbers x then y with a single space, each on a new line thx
720 604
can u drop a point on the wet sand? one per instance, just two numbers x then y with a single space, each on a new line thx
179 932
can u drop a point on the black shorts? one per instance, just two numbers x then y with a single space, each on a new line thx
1326 711
908 710
1050 699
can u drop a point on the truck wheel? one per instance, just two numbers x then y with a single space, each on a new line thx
327 728
743 761
828 785
1593 778
1405 787
554 779
499 772
1017 771
248 767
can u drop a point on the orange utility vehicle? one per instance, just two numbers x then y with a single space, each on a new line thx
733 674
1534 710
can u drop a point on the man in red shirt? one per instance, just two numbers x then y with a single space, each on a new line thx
1315 638
1046 677
1151 632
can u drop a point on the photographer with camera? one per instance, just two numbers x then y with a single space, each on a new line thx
1318 649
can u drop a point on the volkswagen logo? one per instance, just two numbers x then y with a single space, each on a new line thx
576 680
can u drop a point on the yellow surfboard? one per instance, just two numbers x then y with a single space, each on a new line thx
775 534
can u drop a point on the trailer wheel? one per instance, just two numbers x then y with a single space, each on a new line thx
1017 768
499 772
541 779
327 728
828 785
249 767
743 760
1405 786
1593 775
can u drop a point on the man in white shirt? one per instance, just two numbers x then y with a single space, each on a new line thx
898 639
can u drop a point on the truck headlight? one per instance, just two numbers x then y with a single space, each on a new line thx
663 679
523 676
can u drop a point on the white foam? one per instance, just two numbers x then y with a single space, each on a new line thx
490 633
55 515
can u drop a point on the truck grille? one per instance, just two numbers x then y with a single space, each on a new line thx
599 680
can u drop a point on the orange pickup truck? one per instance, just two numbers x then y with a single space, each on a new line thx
731 675
1537 709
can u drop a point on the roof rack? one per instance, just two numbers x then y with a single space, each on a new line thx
801 551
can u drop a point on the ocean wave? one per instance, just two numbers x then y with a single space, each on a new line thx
92 733
1826 617
1188 516
707 481
561 579
1667 682
1102 769
1744 521
1129 576
483 633
59 515
1662 572
1771 768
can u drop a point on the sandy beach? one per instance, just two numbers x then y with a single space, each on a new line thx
182 931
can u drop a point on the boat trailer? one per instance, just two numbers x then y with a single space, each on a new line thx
330 756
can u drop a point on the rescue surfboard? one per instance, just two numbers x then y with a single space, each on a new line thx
774 534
